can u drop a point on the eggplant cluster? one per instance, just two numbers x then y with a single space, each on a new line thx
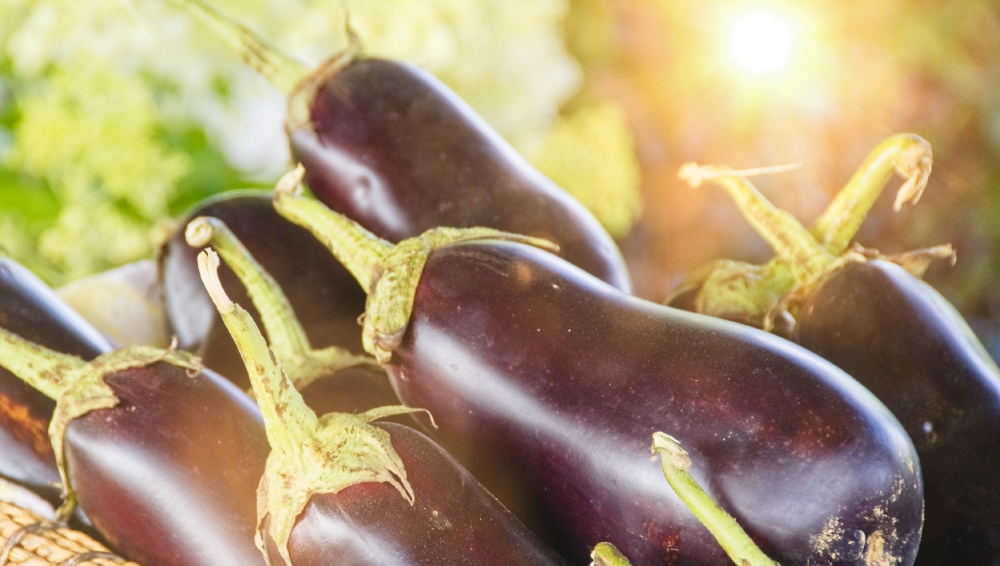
496 403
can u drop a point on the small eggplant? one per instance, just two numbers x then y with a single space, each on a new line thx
561 379
325 294
369 495
332 380
393 148
29 308
873 317
163 458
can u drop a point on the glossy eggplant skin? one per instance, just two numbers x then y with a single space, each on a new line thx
562 380
453 520
169 476
391 147
903 341
324 295
32 310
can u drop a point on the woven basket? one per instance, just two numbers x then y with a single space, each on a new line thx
27 539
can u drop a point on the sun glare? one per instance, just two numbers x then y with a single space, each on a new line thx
762 42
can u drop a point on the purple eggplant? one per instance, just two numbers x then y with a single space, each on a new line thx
559 380
393 148
164 459
340 486
29 308
873 317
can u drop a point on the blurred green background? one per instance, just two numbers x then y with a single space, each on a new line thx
116 115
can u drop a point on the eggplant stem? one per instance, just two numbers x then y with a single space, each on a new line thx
357 249
908 155
309 455
806 259
734 540
288 339
280 69
605 554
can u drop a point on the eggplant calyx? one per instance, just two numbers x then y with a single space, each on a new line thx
288 339
303 96
309 455
280 69
394 287
676 462
735 290
88 391
388 273
605 554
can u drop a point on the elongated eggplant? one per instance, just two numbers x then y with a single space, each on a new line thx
29 308
163 458
563 379
339 486
895 334
326 297
331 379
393 148
909 346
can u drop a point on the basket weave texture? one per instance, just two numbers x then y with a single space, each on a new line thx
29 540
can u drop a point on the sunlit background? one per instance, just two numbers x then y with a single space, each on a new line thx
115 115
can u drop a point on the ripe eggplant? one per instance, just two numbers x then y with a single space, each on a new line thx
325 295
876 319
902 340
332 380
393 148
29 308
370 495
163 458
562 379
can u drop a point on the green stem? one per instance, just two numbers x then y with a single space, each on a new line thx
309 455
734 540
38 366
281 70
287 418
909 155
288 339
360 251
806 259
605 554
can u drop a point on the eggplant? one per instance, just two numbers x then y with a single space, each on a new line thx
323 293
393 148
330 379
561 379
162 457
379 495
902 340
31 309
873 317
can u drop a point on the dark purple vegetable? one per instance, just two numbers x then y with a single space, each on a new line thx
396 150
896 335
325 296
164 459
29 308
561 380
903 341
339 489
